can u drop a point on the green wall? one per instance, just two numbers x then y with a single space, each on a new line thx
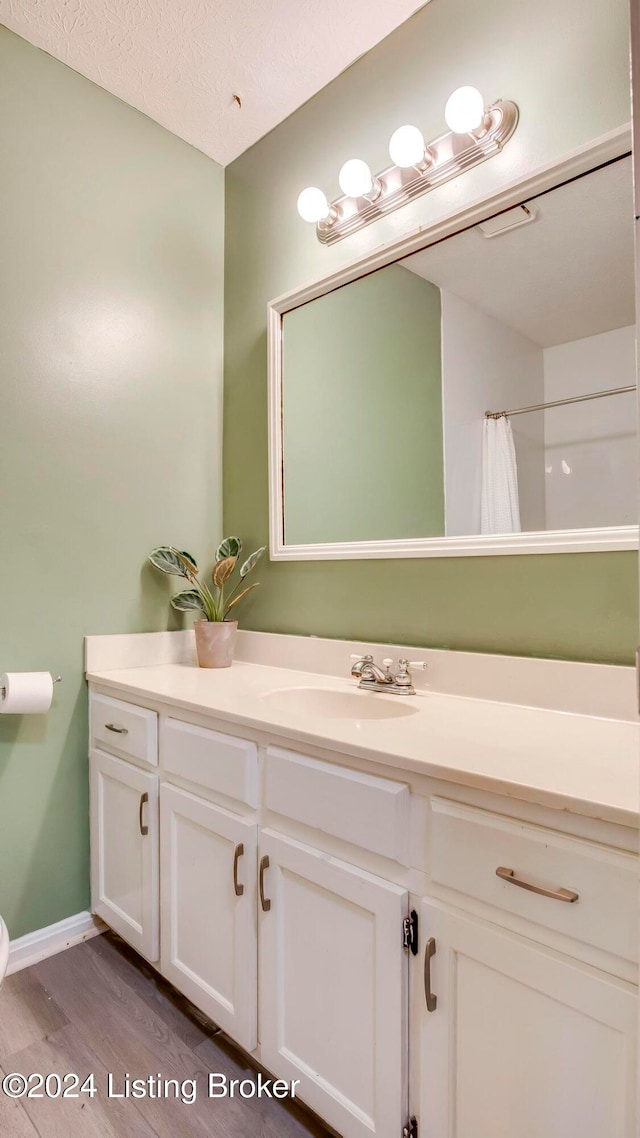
566 65
111 233
362 412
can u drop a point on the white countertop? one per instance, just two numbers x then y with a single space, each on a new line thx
579 763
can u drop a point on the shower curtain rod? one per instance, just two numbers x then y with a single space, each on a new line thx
560 402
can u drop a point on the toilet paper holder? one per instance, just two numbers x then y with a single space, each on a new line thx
54 680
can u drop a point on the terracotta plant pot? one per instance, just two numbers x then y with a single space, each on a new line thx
215 642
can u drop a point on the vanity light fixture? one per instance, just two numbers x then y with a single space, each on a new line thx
464 111
475 133
406 147
313 205
356 180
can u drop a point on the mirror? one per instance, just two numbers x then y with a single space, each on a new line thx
391 389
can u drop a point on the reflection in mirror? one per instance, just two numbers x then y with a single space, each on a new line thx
387 382
363 412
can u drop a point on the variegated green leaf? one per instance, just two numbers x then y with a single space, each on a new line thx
168 560
223 571
191 561
230 547
188 601
239 597
252 561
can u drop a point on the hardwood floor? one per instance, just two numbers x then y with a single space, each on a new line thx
97 1008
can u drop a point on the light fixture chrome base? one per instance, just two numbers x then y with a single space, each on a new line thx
451 154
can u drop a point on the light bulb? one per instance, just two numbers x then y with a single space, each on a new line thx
313 205
464 111
406 146
355 178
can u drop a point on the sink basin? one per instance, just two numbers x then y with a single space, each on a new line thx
330 704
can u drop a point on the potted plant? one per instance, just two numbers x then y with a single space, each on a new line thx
215 634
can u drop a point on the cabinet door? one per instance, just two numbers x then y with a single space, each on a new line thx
333 994
208 901
522 1041
124 850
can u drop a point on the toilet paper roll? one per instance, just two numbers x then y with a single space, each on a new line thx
25 693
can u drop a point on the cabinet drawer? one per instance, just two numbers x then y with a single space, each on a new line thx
219 762
371 812
469 845
124 729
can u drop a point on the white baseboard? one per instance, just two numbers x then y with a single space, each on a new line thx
35 946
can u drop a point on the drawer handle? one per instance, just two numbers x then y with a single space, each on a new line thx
429 951
144 798
237 854
117 730
556 894
264 901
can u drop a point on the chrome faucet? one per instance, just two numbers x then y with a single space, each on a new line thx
374 678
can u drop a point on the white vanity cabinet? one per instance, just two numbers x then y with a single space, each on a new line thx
518 1032
208 903
124 819
333 985
124 850
208 897
520 1042
274 888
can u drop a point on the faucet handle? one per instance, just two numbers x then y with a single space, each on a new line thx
403 676
420 664
359 664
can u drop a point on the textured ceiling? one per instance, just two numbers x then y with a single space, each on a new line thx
566 275
182 61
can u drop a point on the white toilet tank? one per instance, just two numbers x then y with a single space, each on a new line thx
4 949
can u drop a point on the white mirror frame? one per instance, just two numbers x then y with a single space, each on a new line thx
608 147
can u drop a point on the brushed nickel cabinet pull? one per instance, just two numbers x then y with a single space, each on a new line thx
264 901
118 730
509 875
144 798
237 854
429 951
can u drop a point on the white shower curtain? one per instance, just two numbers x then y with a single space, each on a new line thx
500 511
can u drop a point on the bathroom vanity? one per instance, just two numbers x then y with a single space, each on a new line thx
424 908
